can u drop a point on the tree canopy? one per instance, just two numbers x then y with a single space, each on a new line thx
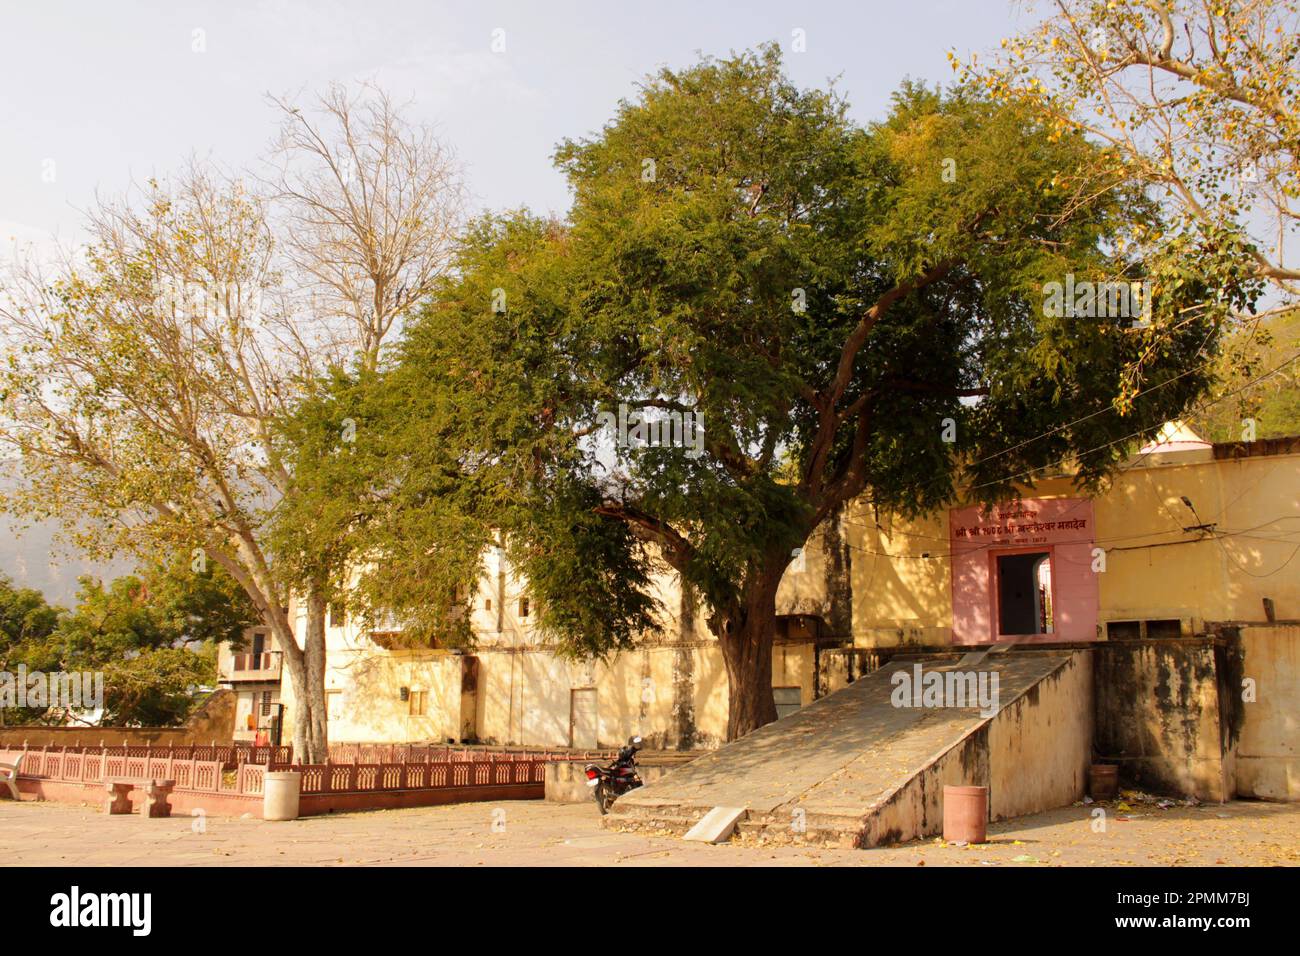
1256 394
1200 99
849 311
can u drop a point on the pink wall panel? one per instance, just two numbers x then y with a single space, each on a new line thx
1062 526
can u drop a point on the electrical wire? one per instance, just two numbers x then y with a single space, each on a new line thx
1128 466
1111 408
1136 434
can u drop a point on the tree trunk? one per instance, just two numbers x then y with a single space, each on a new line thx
312 721
746 634
306 664
296 669
306 668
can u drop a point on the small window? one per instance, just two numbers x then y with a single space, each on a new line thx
416 703
523 607
487 604
1123 630
338 614
331 704
266 703
1164 630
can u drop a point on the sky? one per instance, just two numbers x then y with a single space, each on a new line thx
102 94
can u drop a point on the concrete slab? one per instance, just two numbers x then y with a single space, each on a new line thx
835 762
777 763
717 825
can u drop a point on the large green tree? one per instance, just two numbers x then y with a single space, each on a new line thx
205 606
150 668
851 311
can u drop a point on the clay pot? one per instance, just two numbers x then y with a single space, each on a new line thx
965 814
1103 781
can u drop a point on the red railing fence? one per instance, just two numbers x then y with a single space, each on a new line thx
239 769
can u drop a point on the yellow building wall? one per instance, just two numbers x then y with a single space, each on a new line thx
804 586
364 695
1160 715
1049 730
1207 580
672 689
900 595
793 665
1154 570
524 695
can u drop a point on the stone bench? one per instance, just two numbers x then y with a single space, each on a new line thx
9 775
156 793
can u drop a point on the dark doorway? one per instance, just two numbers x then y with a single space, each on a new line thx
1025 593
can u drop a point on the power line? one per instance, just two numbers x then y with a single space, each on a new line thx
1102 411
1126 467
1136 434
1244 570
1110 408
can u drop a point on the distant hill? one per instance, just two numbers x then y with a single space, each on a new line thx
32 560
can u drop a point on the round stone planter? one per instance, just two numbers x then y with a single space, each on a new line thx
280 792
965 814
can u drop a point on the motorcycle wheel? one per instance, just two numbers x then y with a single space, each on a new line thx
604 799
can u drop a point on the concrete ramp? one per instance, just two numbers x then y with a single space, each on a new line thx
854 769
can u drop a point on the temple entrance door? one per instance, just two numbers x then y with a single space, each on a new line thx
1024 594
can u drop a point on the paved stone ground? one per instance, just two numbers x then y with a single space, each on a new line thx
548 834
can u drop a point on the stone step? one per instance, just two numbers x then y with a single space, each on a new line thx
716 825
648 823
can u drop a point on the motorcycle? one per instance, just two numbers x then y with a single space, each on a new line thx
618 778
